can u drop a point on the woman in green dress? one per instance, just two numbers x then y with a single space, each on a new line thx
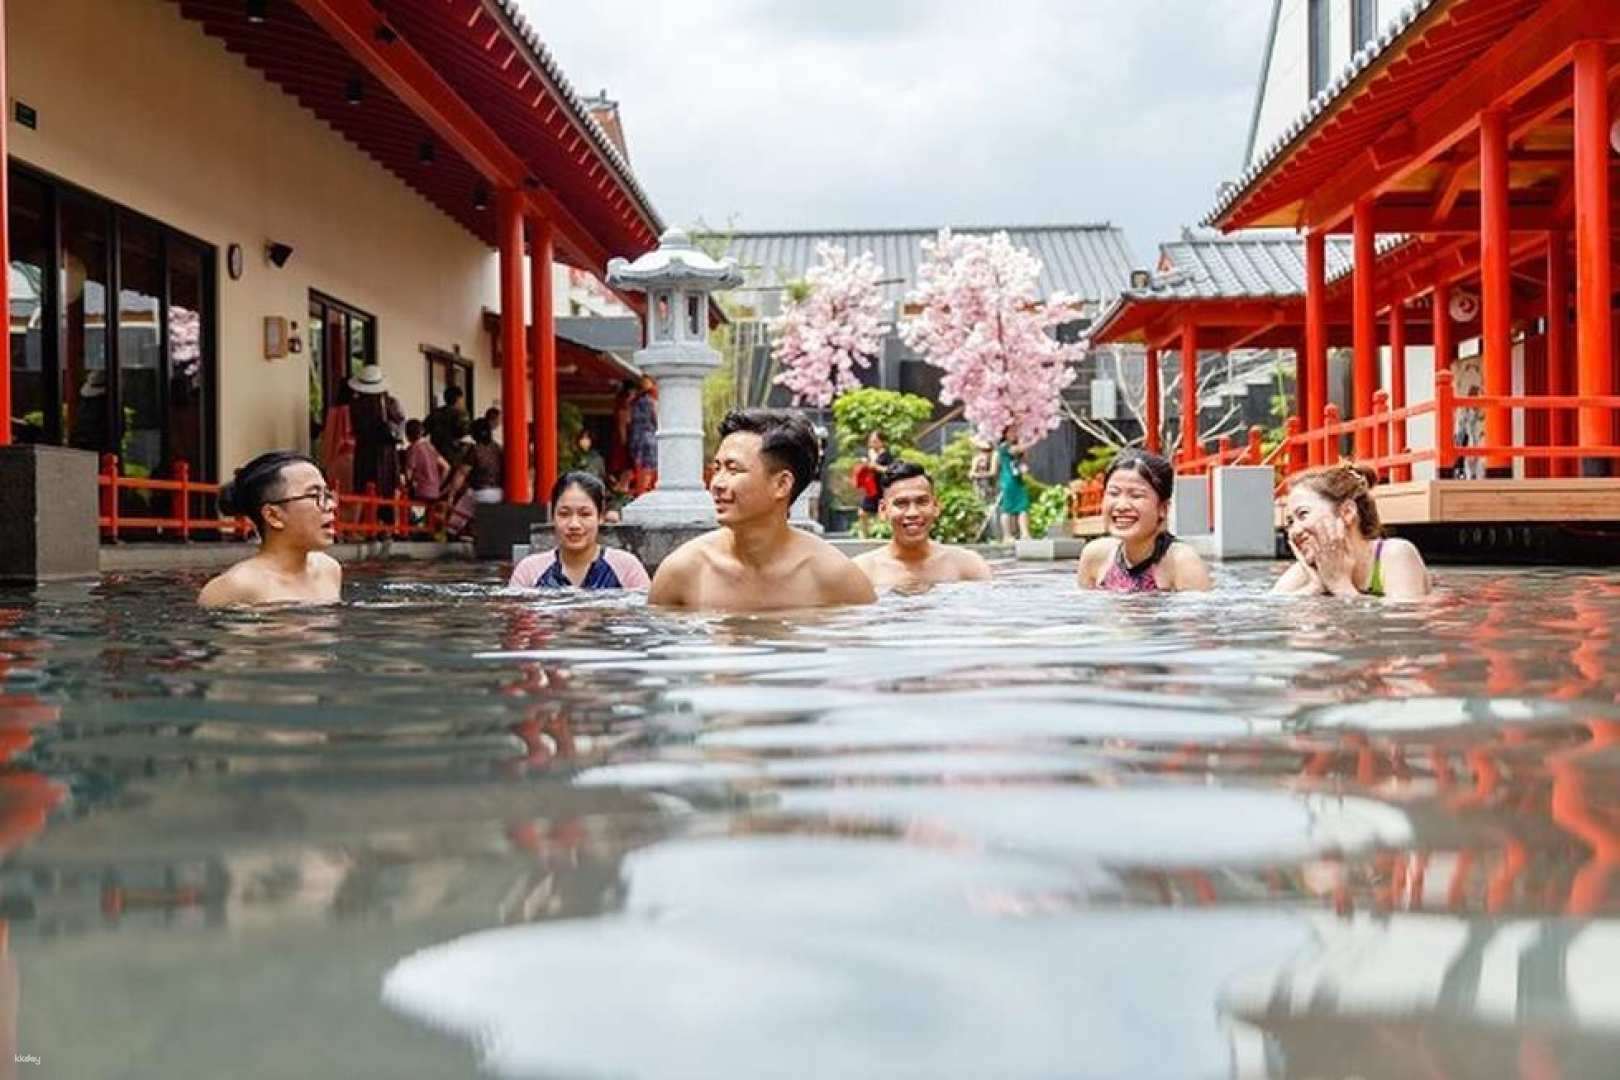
1014 501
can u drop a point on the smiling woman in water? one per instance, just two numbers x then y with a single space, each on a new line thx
286 498
1139 554
578 501
1332 526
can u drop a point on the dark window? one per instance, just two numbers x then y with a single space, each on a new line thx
1363 22
445 370
33 337
342 340
133 378
1317 44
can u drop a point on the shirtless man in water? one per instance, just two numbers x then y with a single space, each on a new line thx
911 560
754 561
286 498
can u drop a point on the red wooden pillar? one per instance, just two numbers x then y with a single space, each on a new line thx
5 240
1560 369
514 351
1444 354
1316 338
1302 384
1189 391
1397 383
1496 293
1152 422
542 246
1594 375
1365 374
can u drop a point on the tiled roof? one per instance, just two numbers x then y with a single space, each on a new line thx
603 143
1319 105
1253 264
1089 261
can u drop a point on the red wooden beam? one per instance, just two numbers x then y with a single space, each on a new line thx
1593 272
1316 333
514 350
544 347
1496 293
1519 62
1364 380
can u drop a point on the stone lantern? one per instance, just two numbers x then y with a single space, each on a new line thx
677 279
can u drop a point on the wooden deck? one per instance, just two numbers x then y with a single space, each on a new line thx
1498 502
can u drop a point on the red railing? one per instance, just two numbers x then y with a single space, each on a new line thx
172 509
1392 457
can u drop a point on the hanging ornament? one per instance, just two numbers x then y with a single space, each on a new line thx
1464 307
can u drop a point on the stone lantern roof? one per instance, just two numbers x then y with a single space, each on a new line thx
674 264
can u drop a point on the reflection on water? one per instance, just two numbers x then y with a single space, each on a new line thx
1013 831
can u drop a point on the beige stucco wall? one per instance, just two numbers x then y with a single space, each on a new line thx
140 106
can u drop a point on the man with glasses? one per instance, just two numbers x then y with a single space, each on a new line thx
294 513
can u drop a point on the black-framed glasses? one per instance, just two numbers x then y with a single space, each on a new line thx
324 498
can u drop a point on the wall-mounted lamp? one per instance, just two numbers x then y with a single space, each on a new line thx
480 197
354 91
277 253
385 34
426 153
256 10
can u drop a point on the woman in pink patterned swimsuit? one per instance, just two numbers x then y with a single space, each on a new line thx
1139 554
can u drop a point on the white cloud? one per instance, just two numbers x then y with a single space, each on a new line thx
786 114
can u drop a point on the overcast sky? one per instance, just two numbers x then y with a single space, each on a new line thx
807 114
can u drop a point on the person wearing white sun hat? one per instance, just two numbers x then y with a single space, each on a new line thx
377 418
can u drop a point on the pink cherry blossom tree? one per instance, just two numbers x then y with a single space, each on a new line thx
982 321
836 328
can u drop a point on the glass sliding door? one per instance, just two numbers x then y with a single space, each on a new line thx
188 422
140 347
33 337
135 378
86 398
342 340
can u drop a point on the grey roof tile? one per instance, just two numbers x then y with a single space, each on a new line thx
1090 261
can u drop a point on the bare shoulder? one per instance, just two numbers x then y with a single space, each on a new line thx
1405 575
235 586
671 582
1403 550
844 581
326 565
969 565
1093 557
1187 568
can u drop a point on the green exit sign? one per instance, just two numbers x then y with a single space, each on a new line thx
26 116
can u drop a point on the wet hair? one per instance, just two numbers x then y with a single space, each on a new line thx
586 482
1159 473
452 394
256 483
902 470
413 430
786 438
483 431
1346 482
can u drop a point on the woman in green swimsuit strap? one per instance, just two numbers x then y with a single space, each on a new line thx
1332 526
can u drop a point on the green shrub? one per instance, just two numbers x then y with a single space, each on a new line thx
895 415
1097 460
1047 509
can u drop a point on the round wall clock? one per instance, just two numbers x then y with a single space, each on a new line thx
233 261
